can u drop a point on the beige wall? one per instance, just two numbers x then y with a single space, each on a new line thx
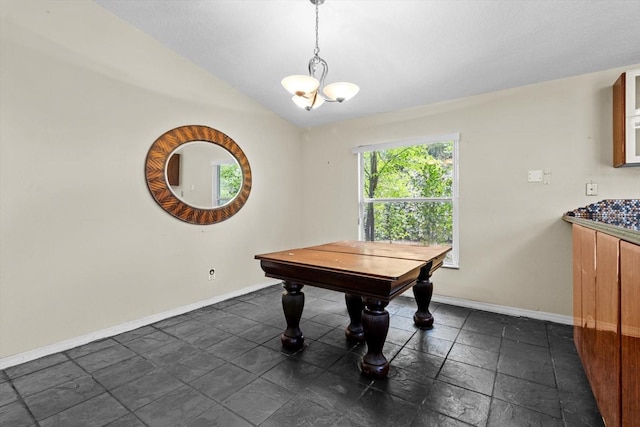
83 245
514 248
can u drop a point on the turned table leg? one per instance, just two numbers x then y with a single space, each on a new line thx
423 290
354 331
292 304
375 322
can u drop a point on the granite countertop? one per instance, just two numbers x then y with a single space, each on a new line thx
617 217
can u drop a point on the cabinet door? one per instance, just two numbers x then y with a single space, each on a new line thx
632 140
605 369
630 328
577 288
632 95
626 119
584 278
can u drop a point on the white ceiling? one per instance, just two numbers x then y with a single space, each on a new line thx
402 53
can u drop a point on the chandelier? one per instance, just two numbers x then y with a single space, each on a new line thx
310 92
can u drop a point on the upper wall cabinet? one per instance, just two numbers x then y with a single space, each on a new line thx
626 119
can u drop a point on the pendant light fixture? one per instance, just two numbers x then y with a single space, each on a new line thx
310 92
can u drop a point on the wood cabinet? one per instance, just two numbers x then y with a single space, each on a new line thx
606 279
584 279
626 119
173 170
605 369
579 266
630 322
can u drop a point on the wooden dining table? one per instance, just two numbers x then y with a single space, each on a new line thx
370 274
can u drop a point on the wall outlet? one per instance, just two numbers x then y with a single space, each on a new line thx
212 274
592 189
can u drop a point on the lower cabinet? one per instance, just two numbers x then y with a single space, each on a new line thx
606 280
605 370
630 322
584 285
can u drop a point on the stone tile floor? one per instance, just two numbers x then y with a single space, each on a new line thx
223 365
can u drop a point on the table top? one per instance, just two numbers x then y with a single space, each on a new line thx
387 249
375 268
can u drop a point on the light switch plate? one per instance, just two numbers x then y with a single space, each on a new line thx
534 176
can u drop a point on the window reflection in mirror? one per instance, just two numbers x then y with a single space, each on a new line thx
208 176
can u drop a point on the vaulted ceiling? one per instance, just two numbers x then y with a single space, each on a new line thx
402 53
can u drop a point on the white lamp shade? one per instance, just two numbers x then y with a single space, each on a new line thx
300 85
307 102
341 91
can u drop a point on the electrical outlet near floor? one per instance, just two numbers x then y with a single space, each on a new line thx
212 274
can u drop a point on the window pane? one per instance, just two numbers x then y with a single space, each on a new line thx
408 193
229 182
409 172
427 223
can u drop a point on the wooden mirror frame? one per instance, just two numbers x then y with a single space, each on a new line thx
158 157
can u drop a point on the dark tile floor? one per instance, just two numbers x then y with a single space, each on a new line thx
223 366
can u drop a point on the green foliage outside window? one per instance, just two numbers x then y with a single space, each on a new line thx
413 174
229 182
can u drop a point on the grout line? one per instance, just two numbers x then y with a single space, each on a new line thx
22 401
368 386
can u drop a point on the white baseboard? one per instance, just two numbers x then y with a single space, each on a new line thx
37 353
503 309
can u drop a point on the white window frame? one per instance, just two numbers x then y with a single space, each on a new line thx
215 179
455 137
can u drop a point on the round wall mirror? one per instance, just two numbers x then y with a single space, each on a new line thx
198 174
203 175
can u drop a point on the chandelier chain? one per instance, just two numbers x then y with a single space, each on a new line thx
316 51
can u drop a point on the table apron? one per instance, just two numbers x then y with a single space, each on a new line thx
364 286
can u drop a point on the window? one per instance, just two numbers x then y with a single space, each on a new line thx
227 180
408 192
